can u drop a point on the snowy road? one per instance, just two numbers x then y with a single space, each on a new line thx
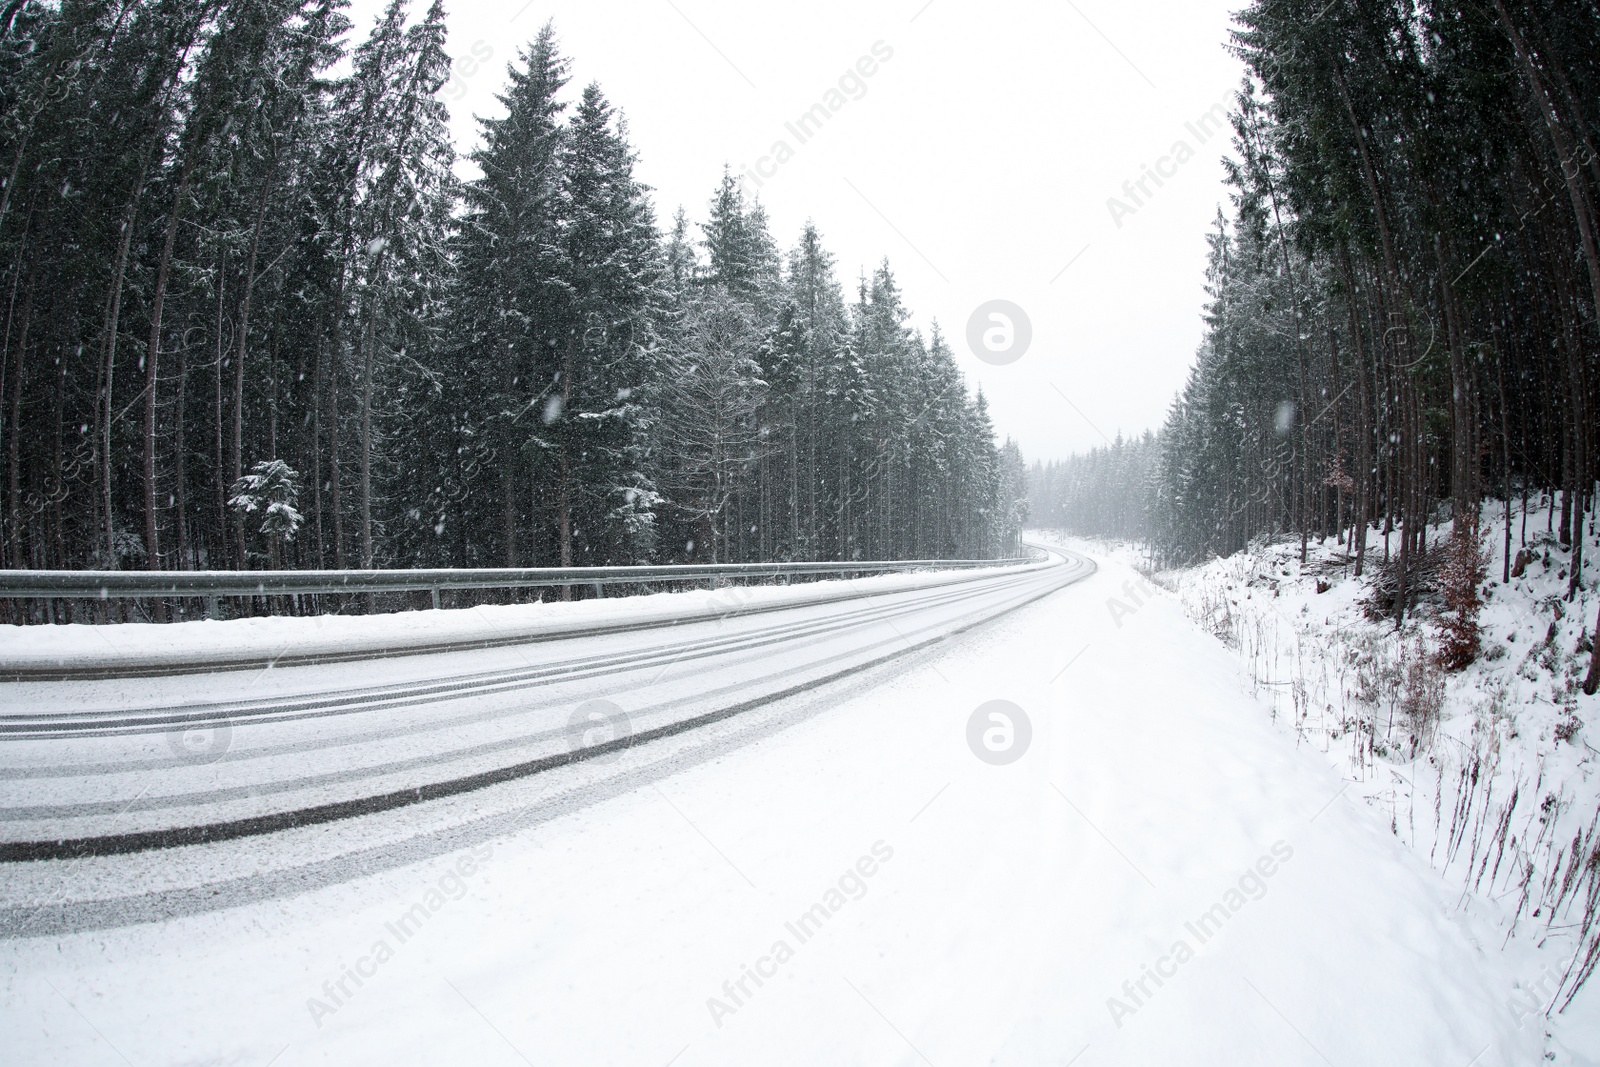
827 875
116 766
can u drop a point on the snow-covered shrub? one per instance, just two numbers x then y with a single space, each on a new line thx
271 489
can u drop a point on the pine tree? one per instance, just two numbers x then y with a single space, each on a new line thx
593 448
509 299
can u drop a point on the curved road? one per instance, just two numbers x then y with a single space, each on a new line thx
174 780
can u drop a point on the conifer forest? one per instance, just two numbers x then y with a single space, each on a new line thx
1402 294
253 317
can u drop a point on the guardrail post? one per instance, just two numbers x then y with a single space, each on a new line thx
213 607
435 592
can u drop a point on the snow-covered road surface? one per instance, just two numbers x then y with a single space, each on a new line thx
830 878
104 767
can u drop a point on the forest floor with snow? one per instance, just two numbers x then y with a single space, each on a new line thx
1489 774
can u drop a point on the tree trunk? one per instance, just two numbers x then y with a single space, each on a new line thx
215 552
14 434
239 358
508 508
366 441
1591 680
152 364
335 474
1464 496
566 474
113 314
316 452
1505 453
1364 424
180 463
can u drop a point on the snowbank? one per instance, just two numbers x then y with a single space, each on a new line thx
1489 774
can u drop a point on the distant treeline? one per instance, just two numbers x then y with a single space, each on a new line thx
1403 299
251 317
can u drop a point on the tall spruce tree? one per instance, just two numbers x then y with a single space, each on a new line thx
509 299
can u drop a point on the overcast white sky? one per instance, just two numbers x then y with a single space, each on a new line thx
979 159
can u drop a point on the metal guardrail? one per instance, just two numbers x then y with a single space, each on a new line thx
211 585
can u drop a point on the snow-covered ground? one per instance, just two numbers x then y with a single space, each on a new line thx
1166 876
1500 793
